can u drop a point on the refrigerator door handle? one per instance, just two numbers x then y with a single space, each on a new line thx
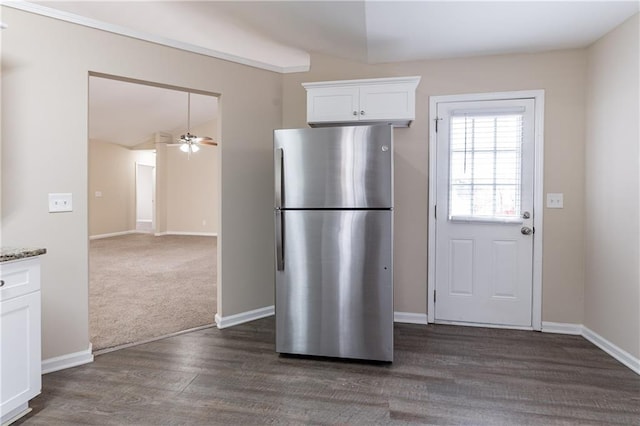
279 241
279 176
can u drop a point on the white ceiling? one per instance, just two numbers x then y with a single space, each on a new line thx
280 35
393 31
130 114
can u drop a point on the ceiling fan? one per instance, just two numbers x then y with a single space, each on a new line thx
188 142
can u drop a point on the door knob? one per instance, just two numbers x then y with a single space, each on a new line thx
525 230
526 215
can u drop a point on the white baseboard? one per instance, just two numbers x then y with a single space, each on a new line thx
67 361
580 330
17 413
409 318
561 328
112 234
242 317
193 234
231 320
618 353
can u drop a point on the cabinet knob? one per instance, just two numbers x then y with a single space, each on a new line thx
355 112
361 112
1 283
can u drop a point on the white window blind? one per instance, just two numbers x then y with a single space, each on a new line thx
485 165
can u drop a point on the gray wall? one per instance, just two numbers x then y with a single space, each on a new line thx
612 229
562 75
45 71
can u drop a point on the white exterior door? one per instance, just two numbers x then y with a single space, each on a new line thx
484 212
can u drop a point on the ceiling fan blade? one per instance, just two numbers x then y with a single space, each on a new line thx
204 140
207 142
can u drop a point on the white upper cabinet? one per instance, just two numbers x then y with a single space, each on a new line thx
375 100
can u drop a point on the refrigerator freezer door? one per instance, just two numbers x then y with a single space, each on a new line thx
334 296
334 167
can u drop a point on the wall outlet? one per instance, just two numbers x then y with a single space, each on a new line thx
60 202
555 200
98 194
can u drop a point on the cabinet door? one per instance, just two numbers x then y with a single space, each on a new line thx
20 360
332 104
387 101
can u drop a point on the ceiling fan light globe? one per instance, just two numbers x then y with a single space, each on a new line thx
184 147
195 148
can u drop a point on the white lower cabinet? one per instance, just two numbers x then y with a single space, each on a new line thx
20 351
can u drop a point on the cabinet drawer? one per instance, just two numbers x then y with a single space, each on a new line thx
19 278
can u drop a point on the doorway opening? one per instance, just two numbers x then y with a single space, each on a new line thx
145 197
153 217
485 210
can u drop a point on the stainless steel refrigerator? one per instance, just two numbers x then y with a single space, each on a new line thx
334 241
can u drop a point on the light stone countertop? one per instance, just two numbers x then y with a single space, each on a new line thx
13 253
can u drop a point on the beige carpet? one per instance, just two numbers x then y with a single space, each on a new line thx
142 286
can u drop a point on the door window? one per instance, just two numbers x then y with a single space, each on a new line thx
485 173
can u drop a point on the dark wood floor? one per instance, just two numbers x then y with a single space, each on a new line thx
441 375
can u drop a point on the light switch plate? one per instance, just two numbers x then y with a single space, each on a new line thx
60 202
555 200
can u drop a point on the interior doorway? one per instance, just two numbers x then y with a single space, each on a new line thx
153 211
145 197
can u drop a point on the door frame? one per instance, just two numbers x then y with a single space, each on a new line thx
538 194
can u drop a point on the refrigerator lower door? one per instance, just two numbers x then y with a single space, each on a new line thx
334 290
